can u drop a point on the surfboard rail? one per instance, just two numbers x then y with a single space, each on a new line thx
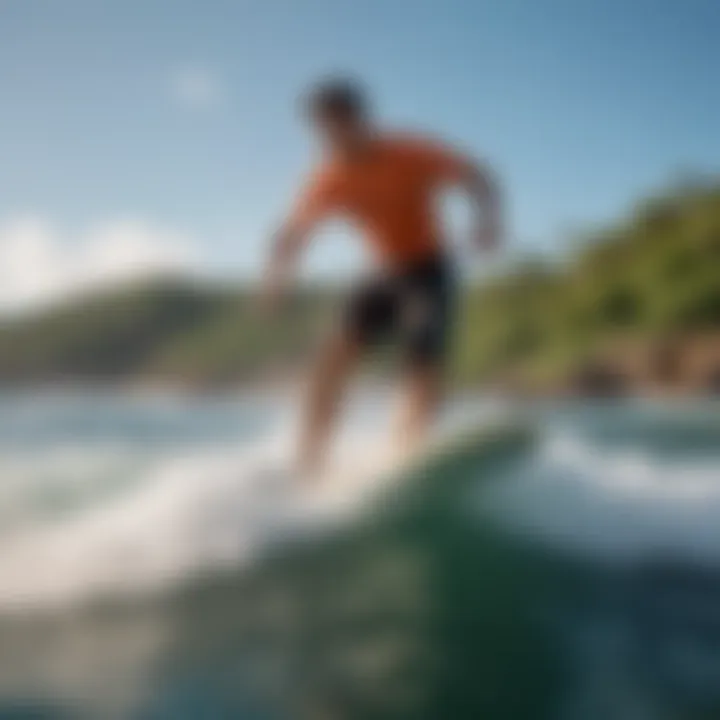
463 458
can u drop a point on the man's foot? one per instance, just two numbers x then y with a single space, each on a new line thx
309 466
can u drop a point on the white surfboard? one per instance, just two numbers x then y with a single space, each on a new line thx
367 470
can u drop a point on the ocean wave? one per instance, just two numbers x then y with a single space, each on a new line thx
81 522
179 513
620 502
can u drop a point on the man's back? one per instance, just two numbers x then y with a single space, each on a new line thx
387 190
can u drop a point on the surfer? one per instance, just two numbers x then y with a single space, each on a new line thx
386 184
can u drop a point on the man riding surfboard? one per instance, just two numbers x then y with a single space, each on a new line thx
386 184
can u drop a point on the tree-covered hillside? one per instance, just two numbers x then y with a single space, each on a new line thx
172 330
652 276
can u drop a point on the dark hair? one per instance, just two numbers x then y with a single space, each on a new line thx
338 98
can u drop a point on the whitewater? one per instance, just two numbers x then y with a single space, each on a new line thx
110 498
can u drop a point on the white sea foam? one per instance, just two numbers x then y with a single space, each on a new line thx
615 503
117 517
185 512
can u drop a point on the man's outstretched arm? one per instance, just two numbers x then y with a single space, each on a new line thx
286 246
479 182
292 237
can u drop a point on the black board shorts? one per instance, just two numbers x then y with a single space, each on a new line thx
412 306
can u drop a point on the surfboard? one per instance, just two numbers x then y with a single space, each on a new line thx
459 456
370 475
472 443
366 478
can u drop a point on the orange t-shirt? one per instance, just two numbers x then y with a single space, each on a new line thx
388 193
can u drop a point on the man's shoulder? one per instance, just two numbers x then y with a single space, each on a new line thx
324 174
410 141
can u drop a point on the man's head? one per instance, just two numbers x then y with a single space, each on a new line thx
338 111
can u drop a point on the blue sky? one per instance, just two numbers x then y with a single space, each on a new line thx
179 115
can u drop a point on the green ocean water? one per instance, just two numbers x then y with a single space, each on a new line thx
567 574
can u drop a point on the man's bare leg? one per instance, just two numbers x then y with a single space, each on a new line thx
328 381
422 397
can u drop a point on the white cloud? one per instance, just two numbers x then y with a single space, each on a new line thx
39 267
198 88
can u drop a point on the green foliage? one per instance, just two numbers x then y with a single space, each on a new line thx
654 274
176 331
